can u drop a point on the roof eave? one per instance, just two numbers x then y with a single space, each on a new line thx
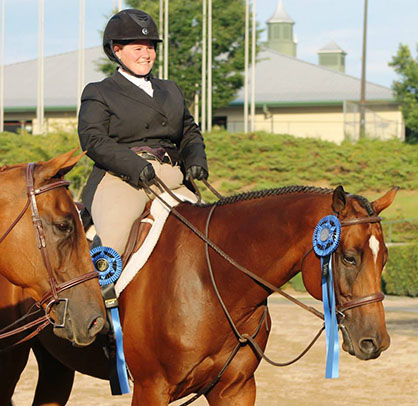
310 103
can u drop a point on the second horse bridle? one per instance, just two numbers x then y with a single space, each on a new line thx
51 297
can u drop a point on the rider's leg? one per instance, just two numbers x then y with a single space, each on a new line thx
116 204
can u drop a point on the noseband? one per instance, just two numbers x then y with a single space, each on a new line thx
50 298
362 301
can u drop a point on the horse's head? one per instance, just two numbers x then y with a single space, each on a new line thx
49 256
358 264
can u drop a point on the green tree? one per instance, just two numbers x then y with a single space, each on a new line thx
406 89
185 46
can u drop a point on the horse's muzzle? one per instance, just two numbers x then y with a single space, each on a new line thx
366 348
81 331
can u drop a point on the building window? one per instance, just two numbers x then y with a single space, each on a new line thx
286 32
220 121
276 32
18 126
329 60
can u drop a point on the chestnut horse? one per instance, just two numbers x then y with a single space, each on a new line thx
176 334
44 257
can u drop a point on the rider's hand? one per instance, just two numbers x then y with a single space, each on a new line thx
197 173
147 175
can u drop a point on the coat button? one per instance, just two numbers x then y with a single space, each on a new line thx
163 123
147 126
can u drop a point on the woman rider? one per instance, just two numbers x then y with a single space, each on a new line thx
134 127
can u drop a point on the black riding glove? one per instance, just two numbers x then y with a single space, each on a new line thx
197 173
147 175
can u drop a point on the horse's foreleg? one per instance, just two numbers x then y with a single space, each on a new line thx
55 380
236 394
12 363
149 395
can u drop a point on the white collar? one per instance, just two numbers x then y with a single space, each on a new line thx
142 83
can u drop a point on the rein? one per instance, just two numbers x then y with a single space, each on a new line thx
50 298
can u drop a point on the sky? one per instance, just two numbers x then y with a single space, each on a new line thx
317 22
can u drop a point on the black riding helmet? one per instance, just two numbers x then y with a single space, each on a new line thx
127 26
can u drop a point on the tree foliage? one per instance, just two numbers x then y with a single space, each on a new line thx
24 147
406 89
242 162
185 46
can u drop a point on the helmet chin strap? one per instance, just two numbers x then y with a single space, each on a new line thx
125 68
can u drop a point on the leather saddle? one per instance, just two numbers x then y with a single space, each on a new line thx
137 235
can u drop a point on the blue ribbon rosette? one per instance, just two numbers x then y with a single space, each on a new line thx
109 265
326 238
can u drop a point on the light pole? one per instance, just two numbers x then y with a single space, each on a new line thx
203 96
40 103
209 127
253 49
363 77
247 23
81 51
166 40
2 69
161 29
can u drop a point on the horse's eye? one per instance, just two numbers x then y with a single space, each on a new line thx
349 259
64 227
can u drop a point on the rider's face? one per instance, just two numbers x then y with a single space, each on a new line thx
138 56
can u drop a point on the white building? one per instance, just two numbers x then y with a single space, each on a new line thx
307 100
292 96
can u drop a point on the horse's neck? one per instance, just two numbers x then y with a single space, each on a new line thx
12 182
270 236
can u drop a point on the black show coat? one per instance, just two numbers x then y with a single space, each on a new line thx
116 115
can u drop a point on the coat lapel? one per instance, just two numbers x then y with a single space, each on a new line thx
132 91
160 94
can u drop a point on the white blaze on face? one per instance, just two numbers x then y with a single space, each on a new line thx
374 246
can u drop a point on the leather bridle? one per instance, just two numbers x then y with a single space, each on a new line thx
50 298
365 300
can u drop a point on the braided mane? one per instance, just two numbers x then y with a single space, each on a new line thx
270 192
285 191
365 204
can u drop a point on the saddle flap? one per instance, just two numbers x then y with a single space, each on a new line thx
138 233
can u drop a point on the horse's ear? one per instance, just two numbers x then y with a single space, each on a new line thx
57 167
338 199
385 201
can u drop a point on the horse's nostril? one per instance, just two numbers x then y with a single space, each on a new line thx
96 326
369 346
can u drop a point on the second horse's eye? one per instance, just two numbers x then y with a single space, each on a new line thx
64 227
